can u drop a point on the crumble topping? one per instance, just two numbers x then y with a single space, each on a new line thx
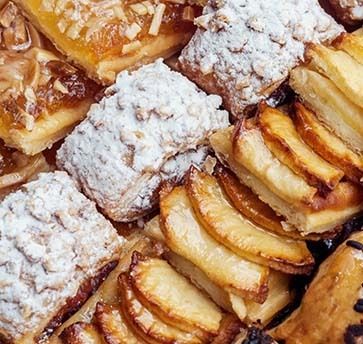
249 46
146 118
51 240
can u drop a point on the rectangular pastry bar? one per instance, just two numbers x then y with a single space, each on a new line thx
105 37
53 242
41 96
145 131
244 50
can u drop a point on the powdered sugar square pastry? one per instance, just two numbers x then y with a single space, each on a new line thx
105 37
243 50
349 11
147 129
55 248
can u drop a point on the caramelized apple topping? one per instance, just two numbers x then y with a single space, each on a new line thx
109 24
37 83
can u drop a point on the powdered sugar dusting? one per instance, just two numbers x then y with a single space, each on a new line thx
150 116
51 240
250 46
349 9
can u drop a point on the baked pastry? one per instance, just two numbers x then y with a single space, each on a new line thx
17 168
41 99
289 194
349 12
332 305
331 87
244 50
55 248
147 129
107 37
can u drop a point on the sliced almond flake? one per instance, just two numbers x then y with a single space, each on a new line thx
58 86
132 31
120 14
139 8
188 13
47 6
62 25
157 19
149 6
60 7
30 95
95 25
74 31
128 48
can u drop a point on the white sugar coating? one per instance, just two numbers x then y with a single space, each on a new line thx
52 239
249 46
148 117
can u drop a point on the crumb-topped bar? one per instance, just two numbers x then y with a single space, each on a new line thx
244 49
147 118
52 240
106 37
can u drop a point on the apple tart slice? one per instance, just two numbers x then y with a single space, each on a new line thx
109 36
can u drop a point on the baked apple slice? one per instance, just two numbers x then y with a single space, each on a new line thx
328 145
340 115
81 333
352 44
332 304
147 325
250 150
248 203
112 325
281 137
342 69
172 298
226 225
187 237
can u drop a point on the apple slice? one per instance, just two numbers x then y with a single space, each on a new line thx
328 145
226 225
112 325
352 44
172 297
331 106
186 237
281 137
250 150
81 333
146 324
342 69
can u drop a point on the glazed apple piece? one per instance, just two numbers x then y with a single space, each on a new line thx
226 225
343 70
250 151
146 324
81 333
172 298
326 144
112 326
187 237
331 105
352 44
284 142
248 203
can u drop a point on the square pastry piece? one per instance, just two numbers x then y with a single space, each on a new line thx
105 37
148 129
243 50
54 250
